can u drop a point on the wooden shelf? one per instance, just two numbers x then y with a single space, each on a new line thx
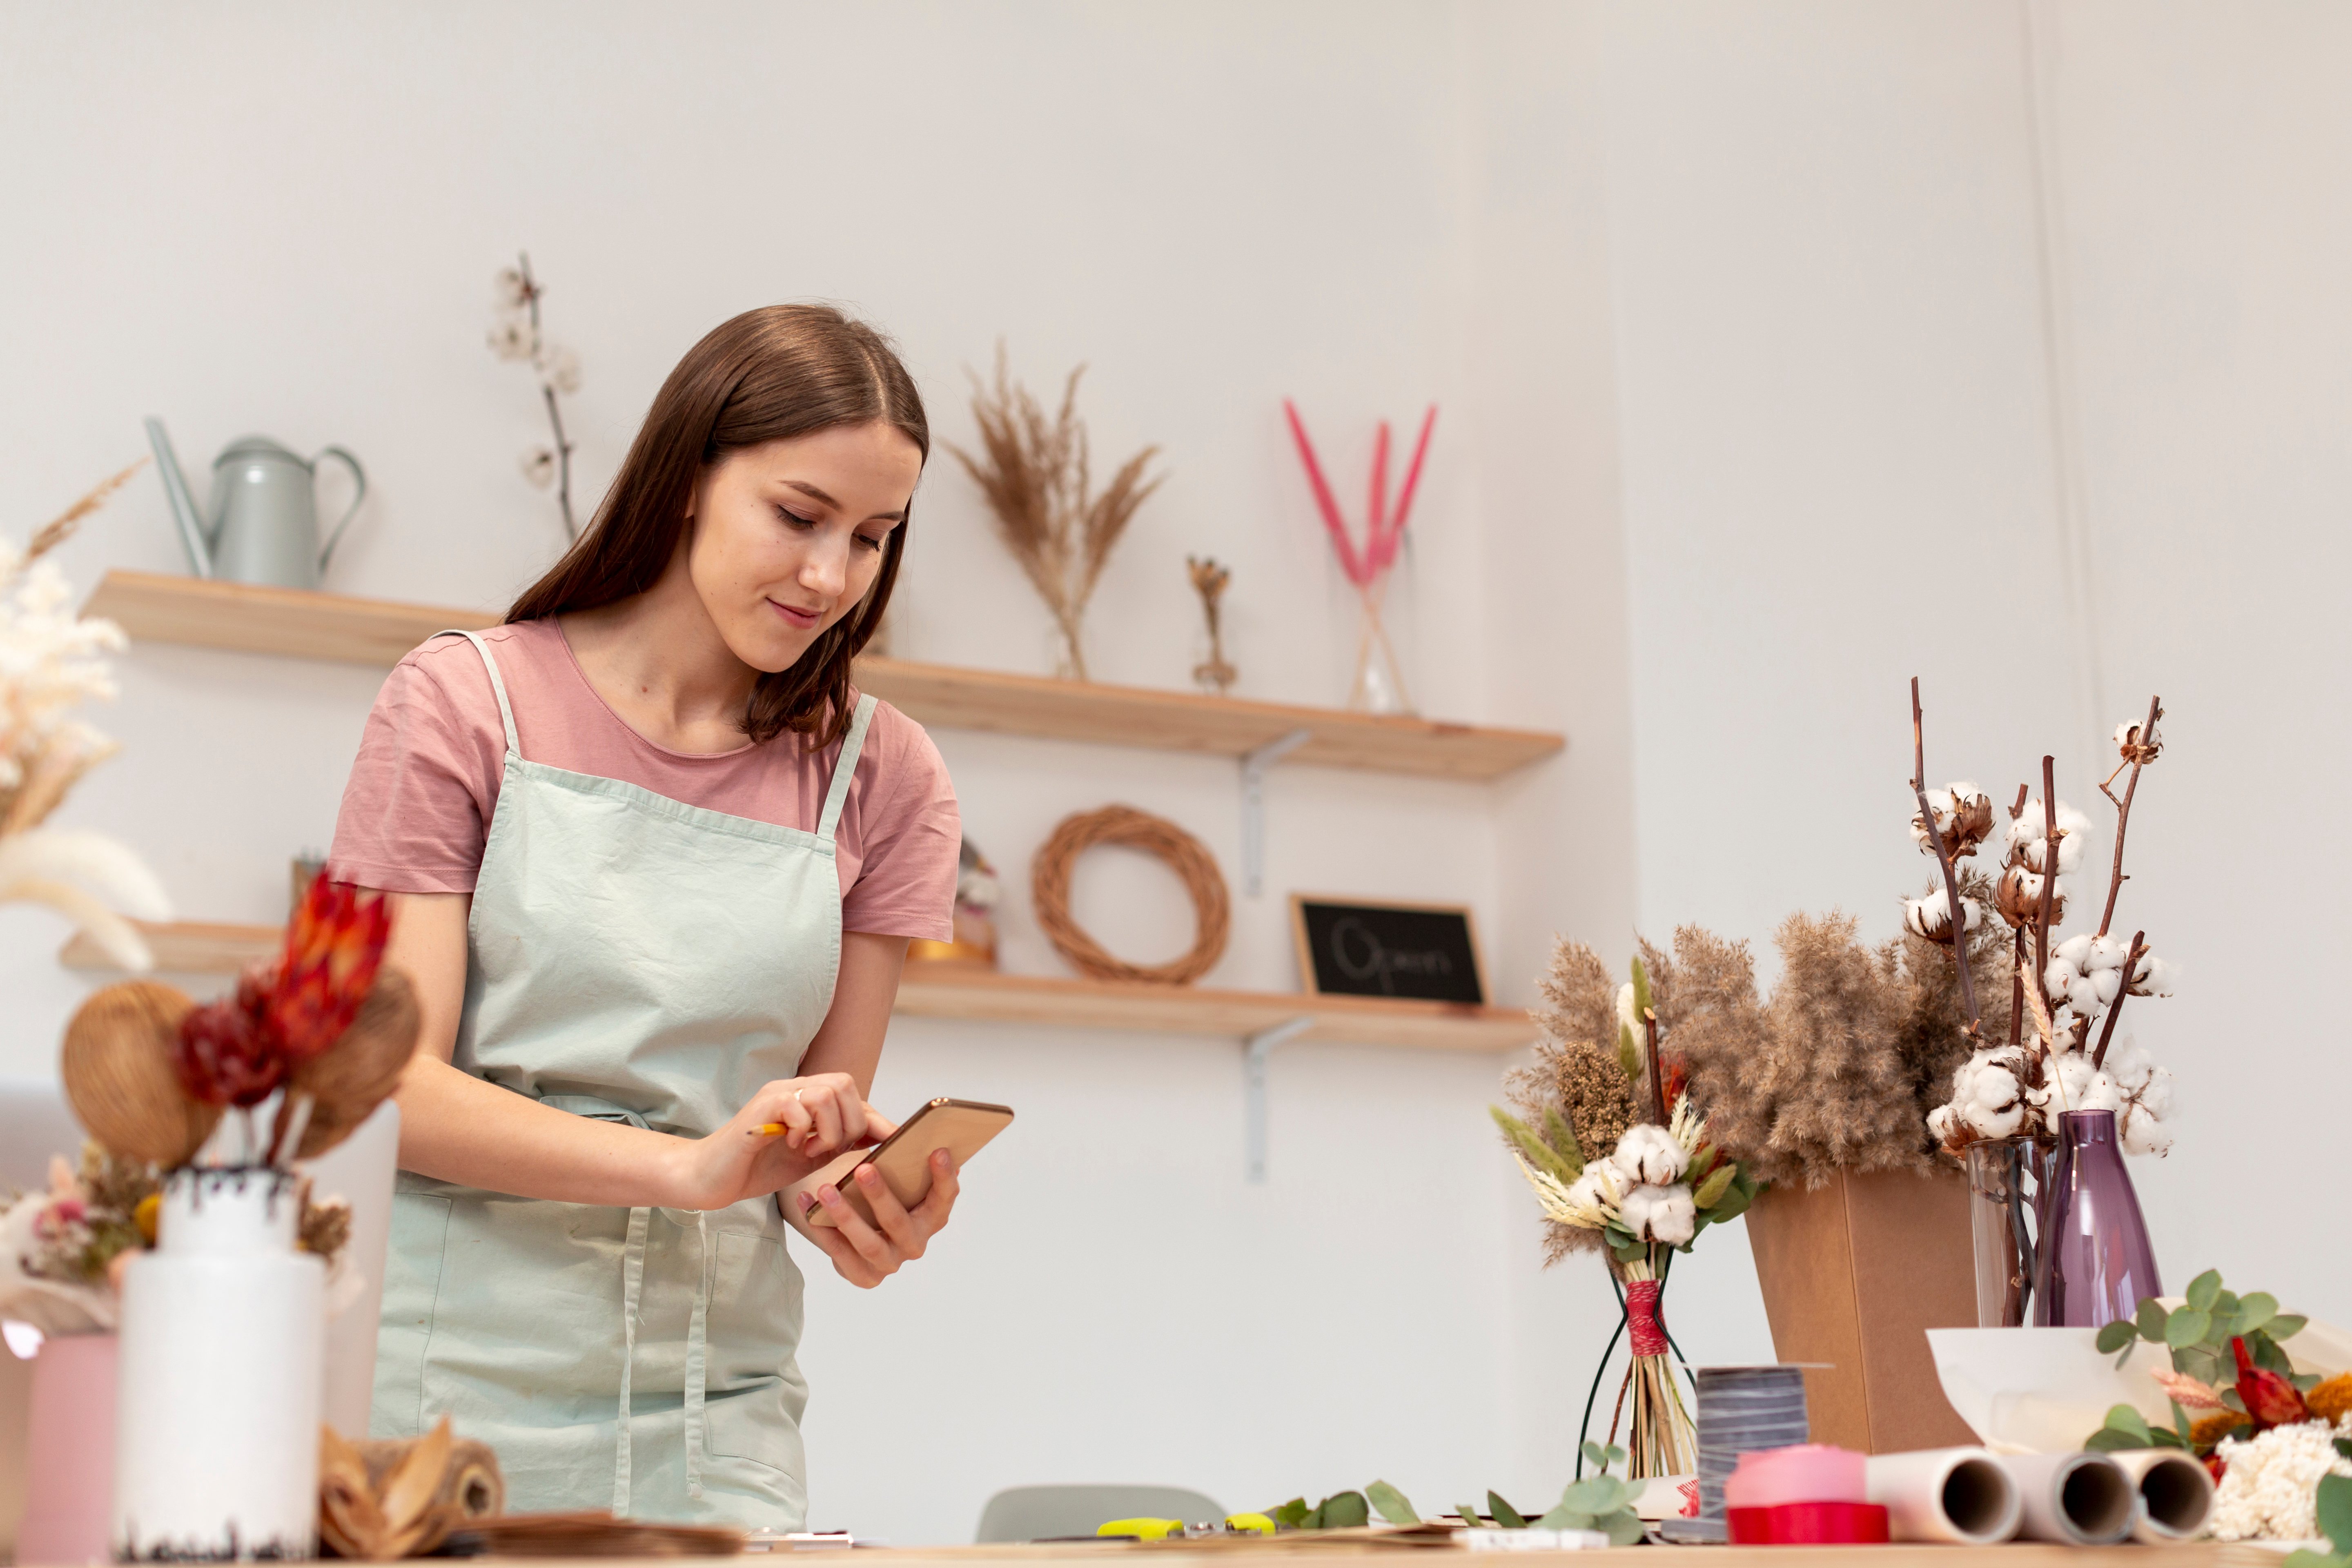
167 608
945 992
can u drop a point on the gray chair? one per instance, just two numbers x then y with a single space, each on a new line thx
1047 1513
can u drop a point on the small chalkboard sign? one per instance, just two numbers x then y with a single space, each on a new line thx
1358 948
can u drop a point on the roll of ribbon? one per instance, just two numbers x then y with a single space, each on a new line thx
2081 1499
1960 1496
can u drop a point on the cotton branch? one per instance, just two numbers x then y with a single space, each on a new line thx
2123 811
1943 859
1657 1074
530 292
2131 966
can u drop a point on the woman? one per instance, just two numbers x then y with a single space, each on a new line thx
654 867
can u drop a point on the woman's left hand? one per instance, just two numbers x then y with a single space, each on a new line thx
865 1255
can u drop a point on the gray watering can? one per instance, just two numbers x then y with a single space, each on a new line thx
265 514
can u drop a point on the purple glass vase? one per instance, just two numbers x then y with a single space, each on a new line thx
2094 1264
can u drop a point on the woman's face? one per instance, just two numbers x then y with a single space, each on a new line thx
786 538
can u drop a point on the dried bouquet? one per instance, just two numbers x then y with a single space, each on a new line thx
51 661
1033 473
1663 1182
62 1251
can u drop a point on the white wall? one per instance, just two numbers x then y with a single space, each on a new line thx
272 217
1841 469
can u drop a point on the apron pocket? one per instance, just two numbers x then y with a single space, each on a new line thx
412 1283
754 1391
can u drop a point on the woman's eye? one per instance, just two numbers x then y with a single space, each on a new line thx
791 519
869 541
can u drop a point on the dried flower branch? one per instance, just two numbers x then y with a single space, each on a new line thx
515 336
1034 474
1208 580
1943 852
2139 744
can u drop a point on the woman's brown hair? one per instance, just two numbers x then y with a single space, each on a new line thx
767 375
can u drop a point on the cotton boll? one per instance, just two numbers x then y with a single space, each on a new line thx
1649 1154
2099 1092
1597 1189
1941 1123
2105 953
2154 1096
1663 1214
1931 916
2129 1065
2144 1132
2074 951
2104 985
1625 1012
1985 1094
2058 979
2154 978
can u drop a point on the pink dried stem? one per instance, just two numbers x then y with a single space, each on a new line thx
1350 562
1943 860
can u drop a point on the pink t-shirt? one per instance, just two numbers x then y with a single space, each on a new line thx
417 809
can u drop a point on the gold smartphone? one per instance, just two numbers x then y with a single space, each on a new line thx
961 1127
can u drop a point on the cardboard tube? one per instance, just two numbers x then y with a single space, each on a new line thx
2176 1494
1960 1496
2078 1498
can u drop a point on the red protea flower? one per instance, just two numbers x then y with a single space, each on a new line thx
334 946
2269 1398
225 1054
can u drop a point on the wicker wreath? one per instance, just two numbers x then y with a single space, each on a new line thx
1049 891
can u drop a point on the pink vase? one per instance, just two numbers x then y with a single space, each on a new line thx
69 1464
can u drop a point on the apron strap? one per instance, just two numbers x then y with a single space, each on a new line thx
697 1357
633 1285
851 744
505 709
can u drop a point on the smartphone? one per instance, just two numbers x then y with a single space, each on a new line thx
961 1127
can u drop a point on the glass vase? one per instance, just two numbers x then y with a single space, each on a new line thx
1378 685
2006 1177
2094 1263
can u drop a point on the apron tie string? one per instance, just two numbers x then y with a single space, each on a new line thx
696 1359
633 1282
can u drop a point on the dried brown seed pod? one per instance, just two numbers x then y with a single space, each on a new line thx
120 1080
351 1077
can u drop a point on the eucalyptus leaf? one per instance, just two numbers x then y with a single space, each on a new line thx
2114 1336
2199 1362
2181 1426
1311 1520
2256 1311
1470 1514
2204 1289
2303 1557
1345 1511
1562 1517
1624 1528
2333 1503
2305 1382
1596 1455
1616 1455
2265 1353
2344 1446
2124 1418
1391 1503
1291 1512
2150 1318
2285 1326
1505 1514
2108 1440
2224 1307
2187 1326
1597 1494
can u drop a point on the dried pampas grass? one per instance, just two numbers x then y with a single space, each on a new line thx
1034 472
1836 1070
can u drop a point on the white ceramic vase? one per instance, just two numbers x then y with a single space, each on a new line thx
216 1432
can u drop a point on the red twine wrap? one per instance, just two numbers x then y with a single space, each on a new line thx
1642 1317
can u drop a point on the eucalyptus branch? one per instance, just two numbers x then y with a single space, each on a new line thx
2115 877
1943 860
2115 1010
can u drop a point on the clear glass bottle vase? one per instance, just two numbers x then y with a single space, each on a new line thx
2007 1177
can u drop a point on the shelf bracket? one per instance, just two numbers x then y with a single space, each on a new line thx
1255 765
1255 1051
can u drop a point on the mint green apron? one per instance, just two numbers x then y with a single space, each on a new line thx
638 960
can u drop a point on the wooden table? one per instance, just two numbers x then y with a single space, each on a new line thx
2017 1554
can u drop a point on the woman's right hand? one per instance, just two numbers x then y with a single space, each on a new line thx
822 1115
